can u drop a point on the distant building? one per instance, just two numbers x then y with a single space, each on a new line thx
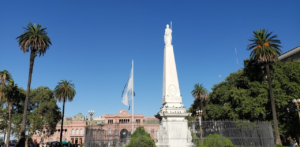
291 55
114 127
73 130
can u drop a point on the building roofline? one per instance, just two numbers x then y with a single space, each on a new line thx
289 53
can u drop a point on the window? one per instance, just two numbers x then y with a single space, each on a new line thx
116 132
76 131
109 131
138 121
110 121
152 131
110 139
81 132
73 132
66 132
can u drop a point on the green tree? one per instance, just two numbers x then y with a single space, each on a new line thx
45 112
36 41
266 49
243 95
12 94
4 118
17 112
64 91
141 138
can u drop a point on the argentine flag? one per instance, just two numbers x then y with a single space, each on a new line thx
127 93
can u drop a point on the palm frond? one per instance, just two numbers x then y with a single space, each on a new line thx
265 47
35 39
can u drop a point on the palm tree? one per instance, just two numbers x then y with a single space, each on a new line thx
5 77
36 41
11 95
266 49
64 91
200 93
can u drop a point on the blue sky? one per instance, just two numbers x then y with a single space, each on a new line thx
95 41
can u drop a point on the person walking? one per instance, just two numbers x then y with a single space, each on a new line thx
291 141
295 143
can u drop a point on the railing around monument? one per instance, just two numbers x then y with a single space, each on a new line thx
240 133
216 133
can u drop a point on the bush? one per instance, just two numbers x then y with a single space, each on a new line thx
141 138
212 140
217 140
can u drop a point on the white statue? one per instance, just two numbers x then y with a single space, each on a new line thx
168 36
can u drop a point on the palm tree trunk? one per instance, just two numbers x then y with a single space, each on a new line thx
26 142
21 142
62 121
9 124
4 136
277 136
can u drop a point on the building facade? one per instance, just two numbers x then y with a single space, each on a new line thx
292 55
73 131
113 128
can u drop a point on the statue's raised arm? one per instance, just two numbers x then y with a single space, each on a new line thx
168 36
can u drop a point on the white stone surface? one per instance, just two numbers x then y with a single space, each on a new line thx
173 130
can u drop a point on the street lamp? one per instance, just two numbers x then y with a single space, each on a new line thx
200 113
297 103
91 113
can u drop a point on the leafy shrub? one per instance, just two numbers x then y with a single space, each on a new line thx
212 140
216 140
141 138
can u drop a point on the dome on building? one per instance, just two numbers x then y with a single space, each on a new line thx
77 117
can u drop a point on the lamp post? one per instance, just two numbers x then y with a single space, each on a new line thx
200 113
297 103
91 113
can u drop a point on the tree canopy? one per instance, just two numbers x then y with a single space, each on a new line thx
43 112
244 95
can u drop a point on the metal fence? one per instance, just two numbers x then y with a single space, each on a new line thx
208 134
240 133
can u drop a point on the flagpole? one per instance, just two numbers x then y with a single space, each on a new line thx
132 127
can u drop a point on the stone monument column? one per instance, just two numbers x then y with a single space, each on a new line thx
173 129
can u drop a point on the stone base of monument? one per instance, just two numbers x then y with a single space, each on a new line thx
173 130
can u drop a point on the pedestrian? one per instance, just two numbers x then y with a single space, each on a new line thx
69 144
291 141
4 145
295 143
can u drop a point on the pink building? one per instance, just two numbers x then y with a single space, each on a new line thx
108 129
73 130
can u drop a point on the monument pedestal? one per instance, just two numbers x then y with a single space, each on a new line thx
173 129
